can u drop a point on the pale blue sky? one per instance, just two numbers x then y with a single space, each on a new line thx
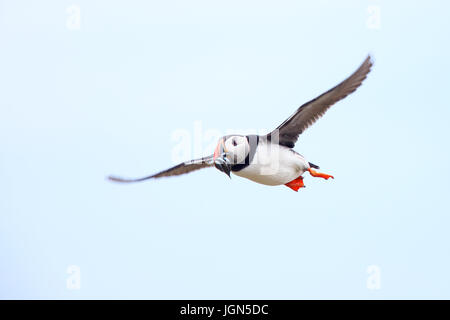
77 105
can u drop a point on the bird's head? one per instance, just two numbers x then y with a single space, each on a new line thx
230 150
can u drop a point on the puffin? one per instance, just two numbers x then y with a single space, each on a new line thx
270 159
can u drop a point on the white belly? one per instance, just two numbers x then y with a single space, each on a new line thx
274 165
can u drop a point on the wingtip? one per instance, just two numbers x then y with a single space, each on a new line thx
366 66
118 179
128 180
114 179
370 59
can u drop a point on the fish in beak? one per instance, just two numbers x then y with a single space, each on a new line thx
221 161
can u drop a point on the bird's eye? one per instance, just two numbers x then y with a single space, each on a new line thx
234 143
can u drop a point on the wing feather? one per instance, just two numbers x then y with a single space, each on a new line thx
182 168
289 131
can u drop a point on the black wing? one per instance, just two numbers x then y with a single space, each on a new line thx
311 111
182 168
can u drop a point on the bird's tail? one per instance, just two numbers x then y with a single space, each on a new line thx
312 165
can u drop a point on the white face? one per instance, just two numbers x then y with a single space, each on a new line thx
237 148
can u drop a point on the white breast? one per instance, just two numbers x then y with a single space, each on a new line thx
274 165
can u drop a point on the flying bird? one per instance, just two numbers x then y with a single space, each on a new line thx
269 159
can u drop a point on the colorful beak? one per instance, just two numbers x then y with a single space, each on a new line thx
219 149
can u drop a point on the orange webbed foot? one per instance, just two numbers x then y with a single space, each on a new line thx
296 184
319 175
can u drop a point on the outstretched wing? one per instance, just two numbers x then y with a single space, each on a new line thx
289 131
182 168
